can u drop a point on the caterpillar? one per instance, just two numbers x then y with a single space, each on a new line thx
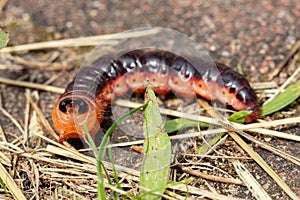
95 86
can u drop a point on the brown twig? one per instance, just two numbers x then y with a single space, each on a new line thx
211 177
45 65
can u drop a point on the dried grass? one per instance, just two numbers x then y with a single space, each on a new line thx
57 170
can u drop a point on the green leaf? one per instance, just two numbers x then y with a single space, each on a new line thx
157 146
239 117
3 39
289 95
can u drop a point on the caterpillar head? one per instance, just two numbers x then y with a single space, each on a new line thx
69 115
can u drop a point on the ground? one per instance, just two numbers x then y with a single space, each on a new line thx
258 36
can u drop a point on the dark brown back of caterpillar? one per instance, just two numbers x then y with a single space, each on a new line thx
173 72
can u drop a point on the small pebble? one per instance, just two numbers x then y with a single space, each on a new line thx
225 53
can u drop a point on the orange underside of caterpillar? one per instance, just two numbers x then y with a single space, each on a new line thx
69 124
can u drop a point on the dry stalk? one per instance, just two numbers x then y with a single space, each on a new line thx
11 184
14 121
202 193
233 130
288 81
2 134
292 52
27 113
83 41
32 85
70 171
252 184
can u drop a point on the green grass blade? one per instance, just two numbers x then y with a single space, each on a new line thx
240 68
156 162
115 194
180 123
102 150
100 188
290 94
90 139
3 39
239 117
205 147
105 140
2 185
